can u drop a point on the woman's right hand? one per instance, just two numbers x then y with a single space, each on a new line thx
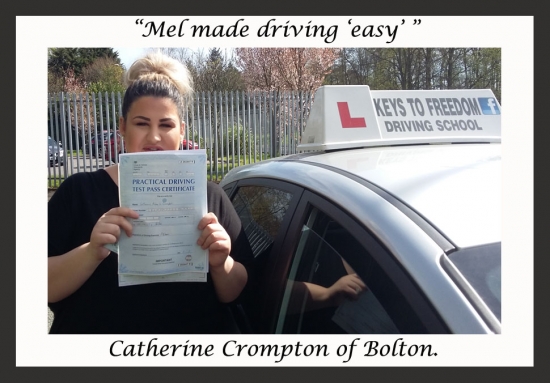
108 228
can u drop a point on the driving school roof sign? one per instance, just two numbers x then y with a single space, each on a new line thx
354 116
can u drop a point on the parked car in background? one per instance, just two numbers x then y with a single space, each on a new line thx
409 203
105 144
188 144
56 153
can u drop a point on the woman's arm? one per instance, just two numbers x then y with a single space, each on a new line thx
310 296
69 271
229 279
228 275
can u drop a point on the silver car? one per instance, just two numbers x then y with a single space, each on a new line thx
56 153
418 223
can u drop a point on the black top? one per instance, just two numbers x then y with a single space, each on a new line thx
100 305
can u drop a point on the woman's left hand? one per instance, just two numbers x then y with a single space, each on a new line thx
215 239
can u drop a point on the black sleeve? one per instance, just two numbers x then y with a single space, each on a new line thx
75 207
64 224
220 204
60 219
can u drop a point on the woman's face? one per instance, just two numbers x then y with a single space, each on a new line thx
152 124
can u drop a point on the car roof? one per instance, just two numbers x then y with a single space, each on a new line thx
450 178
456 187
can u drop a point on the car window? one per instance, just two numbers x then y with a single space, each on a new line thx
392 300
319 266
261 210
300 238
481 266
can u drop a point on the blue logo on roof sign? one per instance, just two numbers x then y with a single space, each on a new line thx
489 105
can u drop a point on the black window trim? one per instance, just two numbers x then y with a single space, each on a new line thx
286 242
270 305
425 311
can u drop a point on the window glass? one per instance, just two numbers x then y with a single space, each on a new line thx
261 210
480 265
324 293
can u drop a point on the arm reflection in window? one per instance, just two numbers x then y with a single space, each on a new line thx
325 294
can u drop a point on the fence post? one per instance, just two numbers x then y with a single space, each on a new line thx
269 122
273 110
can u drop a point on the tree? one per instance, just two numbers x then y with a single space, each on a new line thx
183 55
64 62
419 68
212 71
300 69
104 74
288 70
216 71
62 59
361 66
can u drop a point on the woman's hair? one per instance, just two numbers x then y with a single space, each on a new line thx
158 75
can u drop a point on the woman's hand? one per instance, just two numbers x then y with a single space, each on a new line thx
215 239
349 286
108 228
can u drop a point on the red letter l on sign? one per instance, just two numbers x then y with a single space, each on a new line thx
347 120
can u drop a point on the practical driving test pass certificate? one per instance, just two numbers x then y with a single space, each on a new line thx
168 190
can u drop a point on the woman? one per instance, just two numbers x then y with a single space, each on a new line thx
84 215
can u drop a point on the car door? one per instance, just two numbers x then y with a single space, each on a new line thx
316 245
327 246
265 208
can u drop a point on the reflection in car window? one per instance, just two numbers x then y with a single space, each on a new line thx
318 265
480 265
261 210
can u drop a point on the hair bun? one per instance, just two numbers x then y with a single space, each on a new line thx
155 66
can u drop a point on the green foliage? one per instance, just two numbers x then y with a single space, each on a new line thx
216 72
215 56
104 74
233 145
69 70
62 59
56 83
54 182
109 79
239 139
419 68
107 120
105 86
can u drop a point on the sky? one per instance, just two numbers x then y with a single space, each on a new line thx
129 55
